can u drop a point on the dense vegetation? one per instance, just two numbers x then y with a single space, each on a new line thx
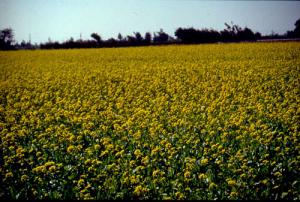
174 122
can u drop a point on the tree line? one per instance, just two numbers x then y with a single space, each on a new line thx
231 33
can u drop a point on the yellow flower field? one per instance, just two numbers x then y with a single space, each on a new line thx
218 121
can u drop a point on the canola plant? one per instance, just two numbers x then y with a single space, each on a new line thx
218 121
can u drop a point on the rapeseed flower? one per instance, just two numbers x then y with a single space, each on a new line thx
188 122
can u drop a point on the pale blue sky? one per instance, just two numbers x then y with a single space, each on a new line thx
62 19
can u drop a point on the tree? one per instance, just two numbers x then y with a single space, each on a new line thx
296 32
111 42
297 28
6 39
97 38
186 35
131 40
148 38
191 35
257 35
246 34
120 37
231 32
25 45
138 37
69 43
161 37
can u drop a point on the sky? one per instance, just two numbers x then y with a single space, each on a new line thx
61 19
